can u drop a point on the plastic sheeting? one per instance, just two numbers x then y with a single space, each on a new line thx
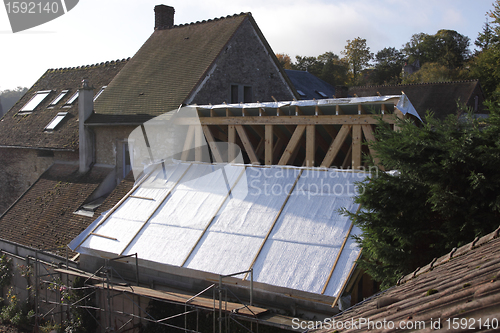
281 221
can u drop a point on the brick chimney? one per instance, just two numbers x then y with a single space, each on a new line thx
164 17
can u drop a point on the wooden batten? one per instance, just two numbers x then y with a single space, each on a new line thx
335 146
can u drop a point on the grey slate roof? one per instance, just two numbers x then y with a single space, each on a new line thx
310 85
439 97
27 130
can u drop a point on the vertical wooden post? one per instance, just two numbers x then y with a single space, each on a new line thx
310 145
356 146
269 145
198 142
231 138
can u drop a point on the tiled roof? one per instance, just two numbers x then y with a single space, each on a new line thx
462 286
310 85
167 68
28 130
43 217
439 97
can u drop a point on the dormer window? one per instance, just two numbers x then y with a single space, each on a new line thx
99 93
57 119
59 97
72 100
35 100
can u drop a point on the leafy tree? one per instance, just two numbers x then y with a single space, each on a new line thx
435 72
310 64
446 47
486 38
446 191
357 54
284 60
335 70
388 65
484 66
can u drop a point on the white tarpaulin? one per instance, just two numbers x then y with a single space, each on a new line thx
283 222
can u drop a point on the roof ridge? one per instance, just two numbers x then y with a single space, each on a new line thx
417 84
209 20
106 63
455 252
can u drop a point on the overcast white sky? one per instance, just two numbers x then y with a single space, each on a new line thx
101 30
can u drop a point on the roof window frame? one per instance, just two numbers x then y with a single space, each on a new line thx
58 98
99 92
52 125
30 106
69 103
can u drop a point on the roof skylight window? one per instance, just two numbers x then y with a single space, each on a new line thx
57 119
72 99
59 97
35 100
322 94
100 92
301 93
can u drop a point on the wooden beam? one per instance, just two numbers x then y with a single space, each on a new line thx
310 145
269 145
293 144
368 132
213 146
335 146
348 159
198 143
363 119
188 143
356 146
247 145
231 137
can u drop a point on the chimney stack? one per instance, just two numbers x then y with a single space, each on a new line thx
164 17
85 108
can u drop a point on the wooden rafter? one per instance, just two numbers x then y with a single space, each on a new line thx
368 132
247 144
293 144
213 146
335 146
268 151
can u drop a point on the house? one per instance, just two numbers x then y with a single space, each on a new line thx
42 127
237 65
460 290
223 60
309 86
440 97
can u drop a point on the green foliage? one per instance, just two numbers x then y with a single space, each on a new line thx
447 48
15 312
357 54
446 192
5 270
388 65
435 72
